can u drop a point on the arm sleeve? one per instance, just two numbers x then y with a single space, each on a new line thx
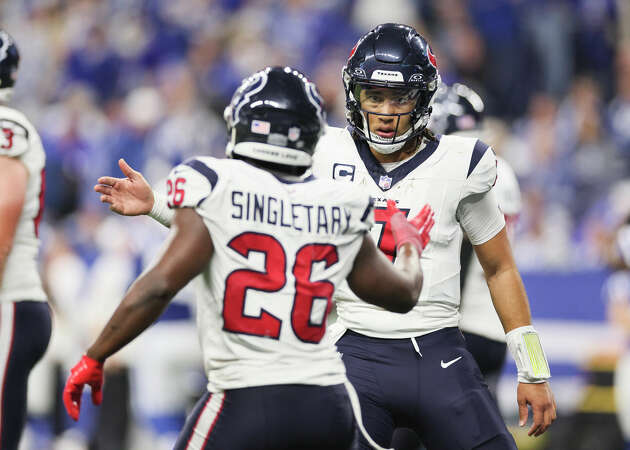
480 217
160 211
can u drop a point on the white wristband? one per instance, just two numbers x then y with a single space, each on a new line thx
531 362
160 211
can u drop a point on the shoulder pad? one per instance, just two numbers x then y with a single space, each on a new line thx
190 183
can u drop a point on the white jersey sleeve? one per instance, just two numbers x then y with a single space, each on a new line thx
20 140
482 170
189 184
478 211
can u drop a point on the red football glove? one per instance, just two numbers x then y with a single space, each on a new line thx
87 371
415 231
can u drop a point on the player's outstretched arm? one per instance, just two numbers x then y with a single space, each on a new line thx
130 196
375 280
510 301
187 253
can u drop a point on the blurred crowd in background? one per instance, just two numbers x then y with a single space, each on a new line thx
147 80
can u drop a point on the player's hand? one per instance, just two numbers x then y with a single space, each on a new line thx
540 398
87 371
415 231
131 196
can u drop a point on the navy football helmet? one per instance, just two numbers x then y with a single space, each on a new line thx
456 109
392 56
276 118
9 60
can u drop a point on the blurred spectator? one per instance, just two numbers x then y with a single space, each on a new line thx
619 108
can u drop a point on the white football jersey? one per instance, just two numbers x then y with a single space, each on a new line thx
477 311
442 174
19 139
280 250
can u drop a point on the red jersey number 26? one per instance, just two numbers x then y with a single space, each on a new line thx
175 191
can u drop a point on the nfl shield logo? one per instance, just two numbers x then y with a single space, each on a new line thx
294 134
385 182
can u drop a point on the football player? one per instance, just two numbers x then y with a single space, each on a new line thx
270 244
25 321
458 110
390 79
414 370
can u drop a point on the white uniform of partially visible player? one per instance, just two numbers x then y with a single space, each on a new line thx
616 293
25 323
477 312
20 140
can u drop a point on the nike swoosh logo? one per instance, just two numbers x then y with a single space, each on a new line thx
452 361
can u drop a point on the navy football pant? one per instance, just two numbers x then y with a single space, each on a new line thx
288 416
24 334
440 395
490 357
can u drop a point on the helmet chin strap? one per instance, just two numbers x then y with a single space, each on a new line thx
386 149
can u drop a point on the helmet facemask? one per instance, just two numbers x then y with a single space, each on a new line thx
363 111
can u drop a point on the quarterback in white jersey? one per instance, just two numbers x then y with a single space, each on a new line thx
268 244
390 78
25 323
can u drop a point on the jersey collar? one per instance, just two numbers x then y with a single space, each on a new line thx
386 180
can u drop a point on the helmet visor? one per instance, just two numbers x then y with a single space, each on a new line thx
387 112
